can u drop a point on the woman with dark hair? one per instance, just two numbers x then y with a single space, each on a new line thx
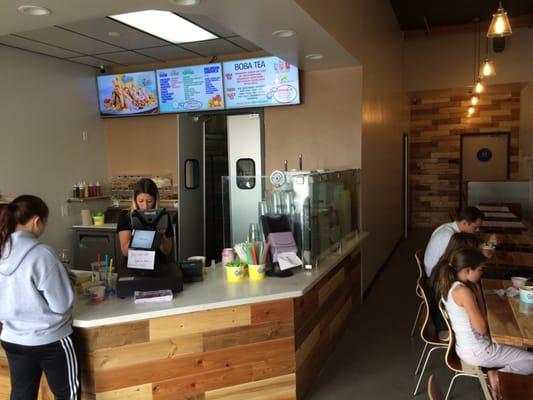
459 239
145 197
457 283
36 299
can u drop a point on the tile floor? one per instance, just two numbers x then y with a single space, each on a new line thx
376 357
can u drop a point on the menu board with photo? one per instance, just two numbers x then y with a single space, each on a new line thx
260 82
127 94
194 88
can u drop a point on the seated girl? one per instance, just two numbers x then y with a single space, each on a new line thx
457 283
459 239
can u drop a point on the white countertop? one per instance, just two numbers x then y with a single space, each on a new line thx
104 227
213 292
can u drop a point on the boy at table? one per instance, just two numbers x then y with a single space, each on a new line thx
468 220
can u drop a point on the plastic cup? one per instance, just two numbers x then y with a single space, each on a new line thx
256 272
235 274
97 294
98 219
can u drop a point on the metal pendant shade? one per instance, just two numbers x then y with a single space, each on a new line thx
500 25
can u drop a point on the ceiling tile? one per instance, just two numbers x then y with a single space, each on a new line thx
245 44
69 40
37 47
126 58
208 24
92 61
129 38
213 47
166 53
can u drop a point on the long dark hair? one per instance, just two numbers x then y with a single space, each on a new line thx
446 274
147 186
458 240
19 212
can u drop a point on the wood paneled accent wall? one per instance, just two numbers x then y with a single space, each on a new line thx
438 119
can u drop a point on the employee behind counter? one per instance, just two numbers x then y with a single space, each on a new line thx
145 197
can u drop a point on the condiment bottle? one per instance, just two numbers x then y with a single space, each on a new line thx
75 192
81 190
98 189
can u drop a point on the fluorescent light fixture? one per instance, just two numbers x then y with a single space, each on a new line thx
314 56
35 11
284 33
185 3
165 25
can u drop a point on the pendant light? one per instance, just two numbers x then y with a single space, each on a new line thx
479 87
474 100
487 67
471 111
500 25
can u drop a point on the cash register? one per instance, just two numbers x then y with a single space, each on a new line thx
145 268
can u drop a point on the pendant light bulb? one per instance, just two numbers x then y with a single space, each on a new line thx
500 25
474 100
471 111
487 69
479 87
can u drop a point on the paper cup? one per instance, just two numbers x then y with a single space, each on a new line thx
97 294
256 272
526 294
235 274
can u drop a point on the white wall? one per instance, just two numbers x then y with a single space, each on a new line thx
444 61
45 105
370 32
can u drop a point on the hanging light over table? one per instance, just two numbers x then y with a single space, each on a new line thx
474 100
479 87
487 69
471 111
500 25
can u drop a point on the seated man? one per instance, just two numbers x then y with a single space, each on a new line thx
468 220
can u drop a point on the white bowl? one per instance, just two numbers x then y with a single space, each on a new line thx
518 281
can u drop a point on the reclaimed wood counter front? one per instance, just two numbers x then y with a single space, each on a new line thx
260 347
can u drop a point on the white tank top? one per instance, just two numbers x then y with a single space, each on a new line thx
465 335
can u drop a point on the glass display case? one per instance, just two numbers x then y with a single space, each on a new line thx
322 207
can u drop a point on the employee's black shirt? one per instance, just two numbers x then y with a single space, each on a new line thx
124 224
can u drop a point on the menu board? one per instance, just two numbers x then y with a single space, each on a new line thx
260 82
127 94
194 88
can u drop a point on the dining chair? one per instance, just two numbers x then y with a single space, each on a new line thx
419 255
458 366
434 390
428 334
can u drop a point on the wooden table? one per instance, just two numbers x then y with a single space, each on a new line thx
510 322
513 386
520 241
505 264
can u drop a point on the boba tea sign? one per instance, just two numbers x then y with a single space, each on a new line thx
260 82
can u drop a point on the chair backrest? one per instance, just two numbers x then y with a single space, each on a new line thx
452 359
434 391
427 333
419 257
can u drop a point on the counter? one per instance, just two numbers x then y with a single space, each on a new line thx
220 340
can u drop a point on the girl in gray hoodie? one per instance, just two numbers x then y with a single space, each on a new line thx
35 305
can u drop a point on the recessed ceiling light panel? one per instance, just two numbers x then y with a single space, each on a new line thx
283 33
185 3
165 25
314 56
113 34
35 11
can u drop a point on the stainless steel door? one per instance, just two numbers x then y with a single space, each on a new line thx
191 220
245 159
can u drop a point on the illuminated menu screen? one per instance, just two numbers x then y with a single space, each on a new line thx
127 94
194 88
260 82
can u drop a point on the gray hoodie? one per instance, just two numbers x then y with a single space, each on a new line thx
35 293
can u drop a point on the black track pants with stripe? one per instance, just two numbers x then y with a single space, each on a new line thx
58 362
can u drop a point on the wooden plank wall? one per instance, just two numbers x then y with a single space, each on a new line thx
217 354
437 121
320 317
